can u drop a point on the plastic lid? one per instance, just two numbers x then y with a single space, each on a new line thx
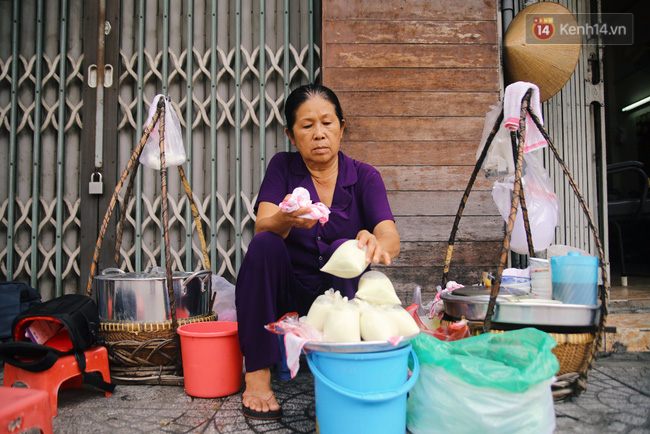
574 268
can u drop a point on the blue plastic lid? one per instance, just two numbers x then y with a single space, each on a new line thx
574 268
575 259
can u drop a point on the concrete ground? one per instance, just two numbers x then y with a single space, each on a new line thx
617 398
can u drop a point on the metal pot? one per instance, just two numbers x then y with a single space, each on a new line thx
522 310
143 297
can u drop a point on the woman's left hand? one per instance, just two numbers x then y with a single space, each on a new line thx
374 252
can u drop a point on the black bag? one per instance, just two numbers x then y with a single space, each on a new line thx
80 320
15 297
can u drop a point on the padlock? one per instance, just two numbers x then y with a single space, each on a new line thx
95 186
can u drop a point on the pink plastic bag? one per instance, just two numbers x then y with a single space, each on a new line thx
290 323
296 334
300 199
452 332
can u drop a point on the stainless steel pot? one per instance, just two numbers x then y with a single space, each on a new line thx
142 296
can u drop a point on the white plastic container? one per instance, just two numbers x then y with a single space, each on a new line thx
540 278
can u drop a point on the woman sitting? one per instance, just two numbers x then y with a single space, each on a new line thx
281 270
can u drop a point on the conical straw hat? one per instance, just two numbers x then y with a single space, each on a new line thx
547 63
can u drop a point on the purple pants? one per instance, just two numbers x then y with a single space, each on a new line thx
267 288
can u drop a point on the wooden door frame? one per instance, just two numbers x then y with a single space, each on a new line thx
93 207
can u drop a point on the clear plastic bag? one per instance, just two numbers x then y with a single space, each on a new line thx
321 307
490 383
499 161
375 287
541 203
375 323
174 149
347 261
342 322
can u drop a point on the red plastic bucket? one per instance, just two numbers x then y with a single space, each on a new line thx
212 360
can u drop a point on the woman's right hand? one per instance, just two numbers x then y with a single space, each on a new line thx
294 219
271 218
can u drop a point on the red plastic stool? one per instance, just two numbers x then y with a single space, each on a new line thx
22 409
64 374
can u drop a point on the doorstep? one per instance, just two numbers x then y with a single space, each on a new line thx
628 321
632 332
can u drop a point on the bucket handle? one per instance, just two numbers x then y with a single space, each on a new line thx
370 396
188 279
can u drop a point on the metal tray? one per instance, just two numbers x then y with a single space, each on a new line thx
357 347
522 311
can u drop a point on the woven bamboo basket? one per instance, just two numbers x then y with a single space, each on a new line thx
143 344
573 352
576 350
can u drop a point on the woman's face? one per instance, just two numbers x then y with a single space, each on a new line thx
317 132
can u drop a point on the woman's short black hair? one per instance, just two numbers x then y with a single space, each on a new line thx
298 96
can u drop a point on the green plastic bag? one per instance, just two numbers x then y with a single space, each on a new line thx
511 361
490 383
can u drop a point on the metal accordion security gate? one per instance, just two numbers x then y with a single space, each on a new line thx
575 121
76 81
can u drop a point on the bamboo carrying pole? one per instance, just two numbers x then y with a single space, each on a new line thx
132 168
517 139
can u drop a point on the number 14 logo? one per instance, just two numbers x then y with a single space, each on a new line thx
543 28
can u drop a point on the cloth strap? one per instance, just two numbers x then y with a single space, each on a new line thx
41 358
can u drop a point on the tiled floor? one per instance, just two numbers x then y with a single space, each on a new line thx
629 314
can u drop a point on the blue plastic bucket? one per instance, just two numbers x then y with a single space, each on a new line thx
575 279
362 392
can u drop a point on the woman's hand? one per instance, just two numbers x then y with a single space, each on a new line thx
271 218
374 251
382 244
294 219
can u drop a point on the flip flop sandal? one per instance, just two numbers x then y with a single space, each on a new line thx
260 415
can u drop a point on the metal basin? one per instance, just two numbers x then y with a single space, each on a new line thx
357 347
527 311
142 296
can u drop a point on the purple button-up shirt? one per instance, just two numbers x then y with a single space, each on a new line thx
359 202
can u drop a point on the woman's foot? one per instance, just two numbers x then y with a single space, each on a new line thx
258 400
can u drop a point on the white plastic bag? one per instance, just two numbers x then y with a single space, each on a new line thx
541 203
174 148
489 383
499 161
442 403
224 299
